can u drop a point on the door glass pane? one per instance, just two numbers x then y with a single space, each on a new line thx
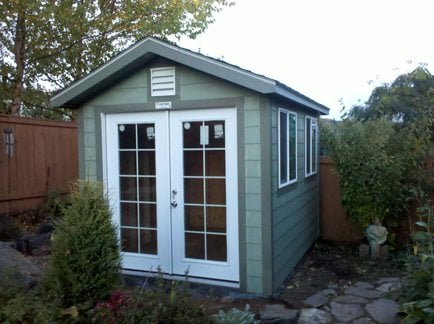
216 219
216 191
148 241
127 136
194 218
191 134
129 240
216 133
138 220
127 162
216 247
148 215
146 136
146 162
193 191
128 188
194 246
193 163
147 189
128 214
215 163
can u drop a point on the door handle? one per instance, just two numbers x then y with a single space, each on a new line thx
173 202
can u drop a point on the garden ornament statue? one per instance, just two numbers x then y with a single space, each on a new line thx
377 235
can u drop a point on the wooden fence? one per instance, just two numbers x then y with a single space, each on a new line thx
334 225
36 157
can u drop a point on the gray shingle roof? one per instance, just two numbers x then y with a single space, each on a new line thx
148 48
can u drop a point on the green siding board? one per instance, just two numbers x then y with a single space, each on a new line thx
253 218
253 235
253 135
254 268
253 185
295 207
255 252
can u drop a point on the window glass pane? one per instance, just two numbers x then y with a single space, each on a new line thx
193 191
283 146
129 240
191 134
146 162
216 191
127 162
146 136
147 189
128 188
148 215
194 218
148 241
216 247
216 133
194 246
127 136
215 163
308 146
292 147
128 214
216 219
193 163
314 146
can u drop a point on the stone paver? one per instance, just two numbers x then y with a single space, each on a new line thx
346 312
316 300
279 312
350 299
360 303
314 316
383 310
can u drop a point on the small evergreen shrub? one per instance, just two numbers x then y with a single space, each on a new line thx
85 263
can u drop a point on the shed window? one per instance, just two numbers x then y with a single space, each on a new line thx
163 81
287 129
311 146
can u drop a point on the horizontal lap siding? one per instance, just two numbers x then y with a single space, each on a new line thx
295 208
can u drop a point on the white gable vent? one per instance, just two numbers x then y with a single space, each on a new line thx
163 81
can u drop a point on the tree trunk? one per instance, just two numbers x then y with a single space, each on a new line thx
18 88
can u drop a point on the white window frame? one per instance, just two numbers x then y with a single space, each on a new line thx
169 79
288 181
311 168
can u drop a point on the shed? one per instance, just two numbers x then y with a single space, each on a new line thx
211 169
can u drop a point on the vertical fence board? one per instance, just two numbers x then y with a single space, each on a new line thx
45 159
334 225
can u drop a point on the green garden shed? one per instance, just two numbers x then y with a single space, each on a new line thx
210 169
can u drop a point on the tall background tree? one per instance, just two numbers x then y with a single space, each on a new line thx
380 148
45 45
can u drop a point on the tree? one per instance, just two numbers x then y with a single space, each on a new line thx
379 148
45 45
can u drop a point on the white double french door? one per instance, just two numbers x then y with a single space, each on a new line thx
172 185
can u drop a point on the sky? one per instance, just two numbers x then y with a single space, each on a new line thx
333 51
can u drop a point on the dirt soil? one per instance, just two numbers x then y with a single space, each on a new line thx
325 263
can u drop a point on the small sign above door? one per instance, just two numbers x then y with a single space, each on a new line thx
163 105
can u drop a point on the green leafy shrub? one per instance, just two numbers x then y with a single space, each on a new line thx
380 148
236 316
420 289
85 263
